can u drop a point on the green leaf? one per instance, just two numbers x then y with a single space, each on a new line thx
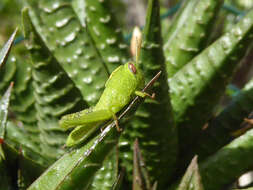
106 33
55 94
19 165
155 132
19 70
5 176
197 87
106 176
6 49
140 174
118 183
180 19
191 178
67 39
4 105
18 139
219 131
228 163
190 33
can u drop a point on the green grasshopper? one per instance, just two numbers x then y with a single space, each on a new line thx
124 83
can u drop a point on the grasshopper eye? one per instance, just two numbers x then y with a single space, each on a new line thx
132 68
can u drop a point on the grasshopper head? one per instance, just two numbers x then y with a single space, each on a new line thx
136 71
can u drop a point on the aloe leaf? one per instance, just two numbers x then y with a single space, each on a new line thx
179 19
4 105
6 181
22 101
18 139
106 176
106 33
219 131
18 70
118 183
191 178
55 93
198 86
228 163
28 172
7 73
140 174
63 34
10 162
6 49
191 37
155 132
19 165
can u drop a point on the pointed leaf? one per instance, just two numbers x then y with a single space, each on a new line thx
106 176
5 177
6 49
55 94
140 174
228 163
191 36
118 183
155 132
4 105
191 179
67 39
219 131
197 87
105 32
18 164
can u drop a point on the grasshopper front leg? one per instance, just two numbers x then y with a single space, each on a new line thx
144 94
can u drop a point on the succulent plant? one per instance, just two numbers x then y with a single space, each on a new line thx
72 47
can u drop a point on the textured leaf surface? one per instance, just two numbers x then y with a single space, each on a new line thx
19 166
190 37
59 27
198 86
155 132
106 33
106 176
6 49
19 139
180 18
219 131
4 175
54 92
75 170
22 105
4 105
228 163
140 174
191 179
